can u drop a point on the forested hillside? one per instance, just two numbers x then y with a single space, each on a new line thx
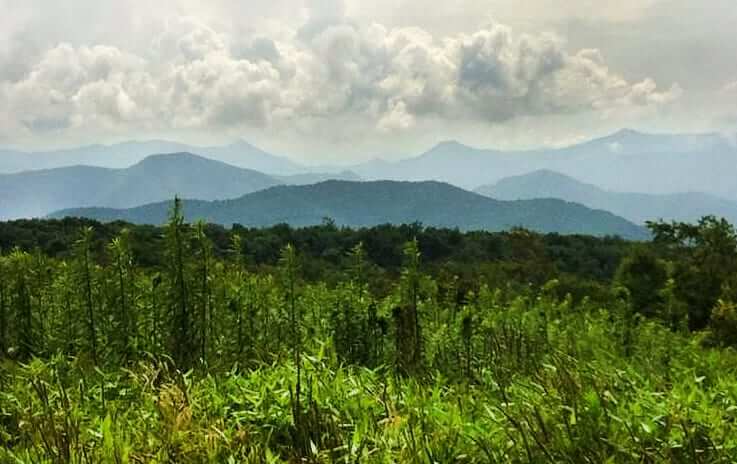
392 344
365 204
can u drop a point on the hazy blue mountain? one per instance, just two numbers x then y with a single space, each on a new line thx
374 169
630 161
245 155
636 207
448 161
625 161
359 204
111 156
241 154
156 178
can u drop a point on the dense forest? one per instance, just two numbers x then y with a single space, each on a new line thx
196 343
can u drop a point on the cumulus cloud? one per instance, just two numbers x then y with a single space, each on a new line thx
68 86
194 76
490 75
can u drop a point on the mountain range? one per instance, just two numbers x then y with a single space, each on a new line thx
362 204
627 161
665 170
240 154
156 178
636 207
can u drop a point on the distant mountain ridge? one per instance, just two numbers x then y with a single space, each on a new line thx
155 178
636 207
624 161
122 155
359 204
627 161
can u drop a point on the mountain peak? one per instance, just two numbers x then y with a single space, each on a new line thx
170 157
241 143
448 148
545 174
541 180
449 145
627 132
625 135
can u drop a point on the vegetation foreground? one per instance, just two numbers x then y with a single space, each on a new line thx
199 358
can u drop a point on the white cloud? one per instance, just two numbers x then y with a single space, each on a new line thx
491 75
190 72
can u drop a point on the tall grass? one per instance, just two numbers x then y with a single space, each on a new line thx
204 360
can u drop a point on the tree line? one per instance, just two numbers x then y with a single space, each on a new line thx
200 300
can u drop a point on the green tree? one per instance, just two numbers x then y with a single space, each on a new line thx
3 306
289 268
85 266
724 322
125 327
354 329
68 318
204 255
177 248
724 314
705 256
644 276
408 329
21 307
236 305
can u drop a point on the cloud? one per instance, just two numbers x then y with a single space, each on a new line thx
68 86
397 118
489 75
195 76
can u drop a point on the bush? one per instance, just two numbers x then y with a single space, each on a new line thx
724 323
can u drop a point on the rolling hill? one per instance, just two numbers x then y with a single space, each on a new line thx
156 178
636 207
359 204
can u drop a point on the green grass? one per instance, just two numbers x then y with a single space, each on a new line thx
556 392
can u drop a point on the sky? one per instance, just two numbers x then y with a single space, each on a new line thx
349 80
